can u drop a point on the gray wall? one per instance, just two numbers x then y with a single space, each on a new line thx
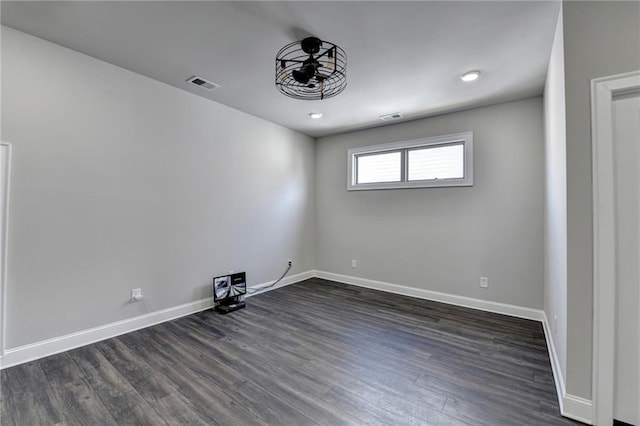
600 39
120 181
443 239
555 226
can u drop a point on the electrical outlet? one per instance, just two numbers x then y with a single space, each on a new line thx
290 262
354 263
136 294
484 282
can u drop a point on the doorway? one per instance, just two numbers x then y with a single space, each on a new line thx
626 146
616 207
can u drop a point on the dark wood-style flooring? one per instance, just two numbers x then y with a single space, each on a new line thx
313 353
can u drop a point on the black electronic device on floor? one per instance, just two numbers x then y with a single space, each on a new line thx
225 309
229 291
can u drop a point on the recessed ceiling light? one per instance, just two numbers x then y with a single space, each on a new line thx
315 114
470 76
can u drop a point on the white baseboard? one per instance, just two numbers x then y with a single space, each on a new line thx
578 408
33 351
452 299
558 378
571 406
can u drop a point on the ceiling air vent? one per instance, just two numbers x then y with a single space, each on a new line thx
199 81
389 117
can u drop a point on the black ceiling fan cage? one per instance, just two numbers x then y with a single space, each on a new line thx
311 69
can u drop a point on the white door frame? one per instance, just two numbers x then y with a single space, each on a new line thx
5 158
603 91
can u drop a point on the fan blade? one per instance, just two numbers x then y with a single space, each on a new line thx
300 77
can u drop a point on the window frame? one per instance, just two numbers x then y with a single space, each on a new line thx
466 138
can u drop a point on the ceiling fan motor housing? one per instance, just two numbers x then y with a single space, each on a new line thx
311 45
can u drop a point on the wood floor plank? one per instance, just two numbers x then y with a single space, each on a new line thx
60 369
175 409
139 375
313 353
198 356
267 409
368 412
363 411
463 386
24 379
496 378
303 380
100 373
40 407
28 397
81 405
114 390
410 400
314 410
489 416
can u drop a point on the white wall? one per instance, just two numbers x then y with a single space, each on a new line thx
443 239
120 181
600 39
555 229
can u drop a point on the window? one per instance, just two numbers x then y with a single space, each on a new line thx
431 162
374 168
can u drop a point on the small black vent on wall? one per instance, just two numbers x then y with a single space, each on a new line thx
393 116
201 82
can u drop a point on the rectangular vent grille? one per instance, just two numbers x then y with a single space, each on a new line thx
393 116
199 81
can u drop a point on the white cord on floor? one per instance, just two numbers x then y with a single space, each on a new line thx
289 265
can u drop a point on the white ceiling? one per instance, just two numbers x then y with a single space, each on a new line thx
402 56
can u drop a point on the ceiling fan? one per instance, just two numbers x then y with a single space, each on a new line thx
311 69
